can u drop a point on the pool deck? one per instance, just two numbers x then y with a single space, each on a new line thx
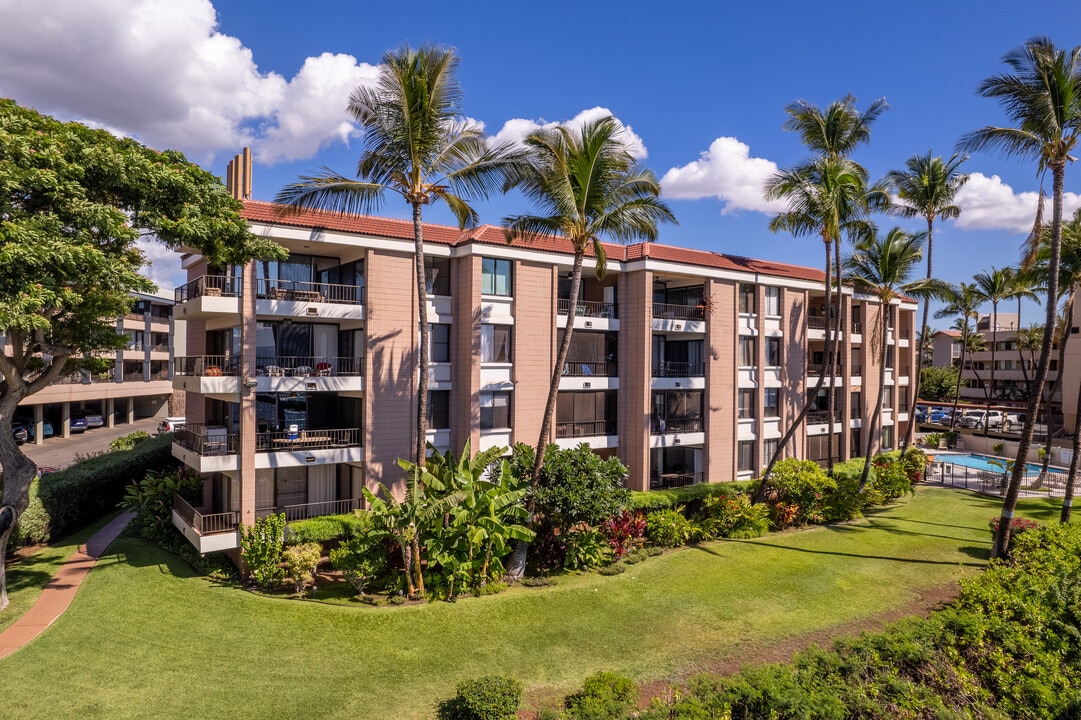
990 482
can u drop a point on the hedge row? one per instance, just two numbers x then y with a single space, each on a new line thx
83 492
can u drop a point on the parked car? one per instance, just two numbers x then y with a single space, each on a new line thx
1013 422
980 418
20 432
31 427
934 415
170 424
78 424
93 419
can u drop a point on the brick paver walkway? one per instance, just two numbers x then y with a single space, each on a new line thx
58 594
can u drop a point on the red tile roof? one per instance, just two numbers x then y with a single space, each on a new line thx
257 211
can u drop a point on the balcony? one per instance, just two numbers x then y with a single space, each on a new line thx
591 428
216 375
209 286
822 417
667 480
310 292
679 312
307 440
206 440
214 449
815 370
590 368
668 369
587 308
669 426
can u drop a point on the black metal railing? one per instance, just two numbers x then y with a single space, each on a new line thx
822 417
674 479
587 308
206 441
313 365
589 428
816 369
586 368
296 291
310 439
205 365
666 426
818 322
857 371
679 369
857 328
679 312
211 285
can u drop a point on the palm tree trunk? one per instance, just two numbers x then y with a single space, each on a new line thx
516 566
957 389
832 341
920 338
407 561
1055 386
418 569
1002 537
989 391
422 327
1067 500
877 412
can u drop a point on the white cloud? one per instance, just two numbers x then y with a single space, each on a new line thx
162 265
987 203
160 71
516 130
727 172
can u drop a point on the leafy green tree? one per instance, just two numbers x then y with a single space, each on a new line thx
926 189
940 383
73 203
416 145
587 187
881 268
1042 97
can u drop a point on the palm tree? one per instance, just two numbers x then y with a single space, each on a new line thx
1028 342
587 186
1042 96
994 287
962 303
881 267
417 146
831 135
926 189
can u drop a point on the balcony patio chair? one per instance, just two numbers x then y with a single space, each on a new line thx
274 371
323 369
302 370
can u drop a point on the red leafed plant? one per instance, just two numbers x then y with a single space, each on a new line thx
625 531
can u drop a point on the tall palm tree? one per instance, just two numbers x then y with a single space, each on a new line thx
881 267
962 303
831 135
1028 342
416 145
1042 97
586 186
994 287
926 189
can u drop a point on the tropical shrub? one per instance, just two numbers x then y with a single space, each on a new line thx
494 697
576 484
669 528
301 564
586 547
87 490
604 696
799 493
1018 525
613 569
733 517
261 549
33 525
327 529
891 477
129 441
689 497
997 448
360 561
915 463
625 532
151 498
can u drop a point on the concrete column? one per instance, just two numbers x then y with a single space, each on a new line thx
246 369
39 425
465 354
110 409
65 420
131 411
635 374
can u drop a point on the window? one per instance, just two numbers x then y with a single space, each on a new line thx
887 397
746 351
584 414
439 409
887 438
495 343
439 342
494 410
746 403
889 357
857 403
772 404
769 449
495 277
677 411
745 456
857 448
773 352
437 275
773 301
746 298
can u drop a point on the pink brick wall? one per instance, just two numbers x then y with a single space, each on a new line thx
534 347
635 374
720 396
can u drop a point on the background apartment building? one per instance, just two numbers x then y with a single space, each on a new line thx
686 364
134 382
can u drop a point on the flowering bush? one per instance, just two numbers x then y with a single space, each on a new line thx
585 547
1018 525
625 531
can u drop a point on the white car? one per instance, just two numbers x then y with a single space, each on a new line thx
170 424
1013 422
977 419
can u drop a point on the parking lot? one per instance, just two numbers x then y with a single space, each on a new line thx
58 451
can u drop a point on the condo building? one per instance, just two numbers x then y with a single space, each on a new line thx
688 365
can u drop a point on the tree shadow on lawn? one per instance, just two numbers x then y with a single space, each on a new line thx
136 552
861 555
886 526
980 552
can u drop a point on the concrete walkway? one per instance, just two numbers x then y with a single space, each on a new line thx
58 594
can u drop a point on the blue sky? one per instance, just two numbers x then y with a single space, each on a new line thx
702 86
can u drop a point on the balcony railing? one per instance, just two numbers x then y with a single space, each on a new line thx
678 369
80 377
208 524
205 365
139 376
816 370
590 428
857 328
857 371
310 292
822 417
674 479
210 285
160 347
311 439
587 308
679 312
586 368
294 513
818 322
312 365
136 316
667 426
206 441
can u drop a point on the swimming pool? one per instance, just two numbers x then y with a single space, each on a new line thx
982 462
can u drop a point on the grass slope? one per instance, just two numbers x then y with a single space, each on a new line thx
146 638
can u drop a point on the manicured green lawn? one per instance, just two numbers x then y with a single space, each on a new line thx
146 638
